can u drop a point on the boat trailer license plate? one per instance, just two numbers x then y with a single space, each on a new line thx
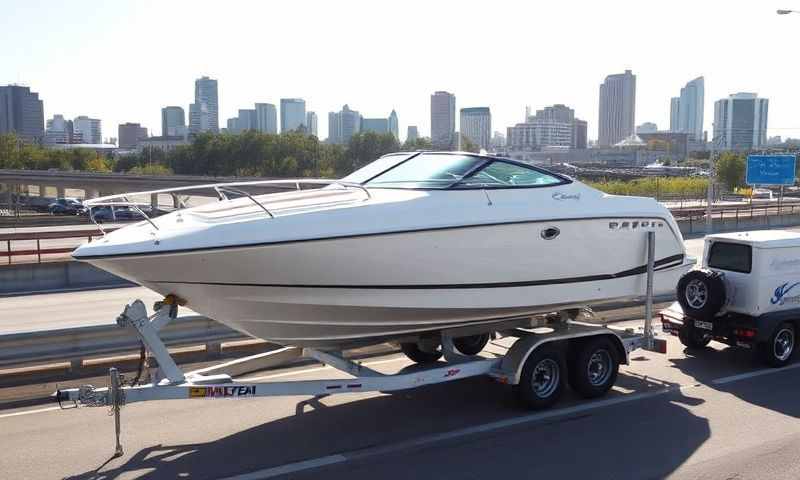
704 325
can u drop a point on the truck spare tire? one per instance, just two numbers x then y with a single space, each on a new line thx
701 293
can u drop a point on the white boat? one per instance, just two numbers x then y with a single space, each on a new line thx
411 244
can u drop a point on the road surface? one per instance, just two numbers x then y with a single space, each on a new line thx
712 414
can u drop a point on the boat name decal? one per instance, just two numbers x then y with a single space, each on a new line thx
218 392
780 294
452 372
566 196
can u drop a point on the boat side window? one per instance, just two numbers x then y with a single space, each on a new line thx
734 257
499 174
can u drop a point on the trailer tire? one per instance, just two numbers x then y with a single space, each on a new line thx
593 367
418 355
543 378
778 350
701 293
692 337
472 344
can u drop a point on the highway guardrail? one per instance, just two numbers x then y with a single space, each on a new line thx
76 344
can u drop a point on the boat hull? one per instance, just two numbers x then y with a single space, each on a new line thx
371 288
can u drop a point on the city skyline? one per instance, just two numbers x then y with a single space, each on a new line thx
120 98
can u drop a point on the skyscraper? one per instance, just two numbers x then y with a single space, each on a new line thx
21 112
552 126
690 109
293 113
204 112
311 123
173 122
476 125
740 121
443 120
394 126
130 134
617 108
342 125
376 125
89 130
674 114
247 119
412 134
266 118
59 131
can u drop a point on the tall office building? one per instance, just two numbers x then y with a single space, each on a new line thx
88 130
293 113
740 122
552 126
59 131
130 134
204 112
247 119
311 123
394 125
266 118
476 125
342 125
173 122
686 111
617 108
443 120
674 113
412 133
22 113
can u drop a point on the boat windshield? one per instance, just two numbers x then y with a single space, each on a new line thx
377 167
426 170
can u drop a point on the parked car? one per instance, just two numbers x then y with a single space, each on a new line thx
65 206
119 214
747 294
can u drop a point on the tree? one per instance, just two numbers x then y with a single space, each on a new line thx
468 145
364 147
730 169
420 143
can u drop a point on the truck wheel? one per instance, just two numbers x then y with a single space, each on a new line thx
593 368
692 337
701 293
418 355
471 345
778 350
542 381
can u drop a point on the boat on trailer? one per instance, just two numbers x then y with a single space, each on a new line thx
402 249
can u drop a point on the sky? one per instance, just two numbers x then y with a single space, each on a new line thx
122 61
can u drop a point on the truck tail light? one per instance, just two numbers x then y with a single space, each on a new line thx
744 332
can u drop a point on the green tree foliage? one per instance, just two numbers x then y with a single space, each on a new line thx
155 169
688 187
421 143
468 145
365 147
15 154
731 169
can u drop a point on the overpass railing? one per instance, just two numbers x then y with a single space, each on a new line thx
9 239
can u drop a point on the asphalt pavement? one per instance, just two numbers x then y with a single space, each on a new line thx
709 414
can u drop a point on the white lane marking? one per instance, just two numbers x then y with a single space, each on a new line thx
290 468
28 412
311 370
439 437
757 373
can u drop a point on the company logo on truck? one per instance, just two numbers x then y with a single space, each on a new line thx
780 297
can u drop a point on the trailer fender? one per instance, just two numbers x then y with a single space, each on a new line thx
514 360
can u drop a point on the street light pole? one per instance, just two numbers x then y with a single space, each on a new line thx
710 191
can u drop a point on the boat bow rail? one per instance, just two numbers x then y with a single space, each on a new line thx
222 191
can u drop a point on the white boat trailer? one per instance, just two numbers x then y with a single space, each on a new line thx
534 363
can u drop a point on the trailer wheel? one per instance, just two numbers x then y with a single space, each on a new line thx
778 350
692 337
418 355
472 344
593 368
542 381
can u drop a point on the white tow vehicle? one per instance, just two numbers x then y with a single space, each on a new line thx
539 356
746 294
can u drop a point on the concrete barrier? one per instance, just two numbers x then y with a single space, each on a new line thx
55 276
732 224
